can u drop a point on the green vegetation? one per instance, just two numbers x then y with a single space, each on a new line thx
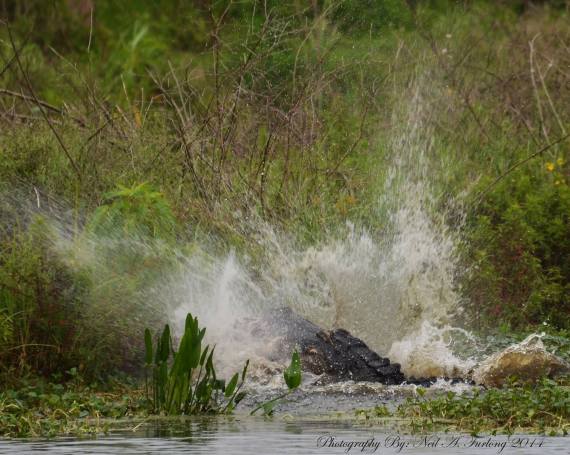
189 385
133 131
288 118
543 408
292 375
40 409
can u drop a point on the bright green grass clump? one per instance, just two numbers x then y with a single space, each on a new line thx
188 384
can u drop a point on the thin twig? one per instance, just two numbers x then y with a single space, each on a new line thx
483 193
48 106
37 101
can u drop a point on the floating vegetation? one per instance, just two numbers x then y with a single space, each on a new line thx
543 408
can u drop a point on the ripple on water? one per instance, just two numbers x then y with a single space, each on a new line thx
246 435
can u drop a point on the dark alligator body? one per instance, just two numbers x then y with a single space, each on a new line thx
334 353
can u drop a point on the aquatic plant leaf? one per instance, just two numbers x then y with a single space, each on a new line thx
148 346
243 373
204 354
191 325
240 396
165 344
292 374
268 408
232 385
219 384
195 352
176 388
210 362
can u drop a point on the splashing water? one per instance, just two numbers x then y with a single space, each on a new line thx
397 291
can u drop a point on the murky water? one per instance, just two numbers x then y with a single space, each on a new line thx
284 435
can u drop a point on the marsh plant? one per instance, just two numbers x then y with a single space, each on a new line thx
185 381
292 376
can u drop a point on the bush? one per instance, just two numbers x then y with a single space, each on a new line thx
372 16
39 304
519 244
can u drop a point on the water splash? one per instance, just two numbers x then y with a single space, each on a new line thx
396 290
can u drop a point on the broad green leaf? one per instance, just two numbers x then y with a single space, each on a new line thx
292 374
165 344
232 385
148 346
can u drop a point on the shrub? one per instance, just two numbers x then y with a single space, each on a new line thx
519 243
39 302
138 211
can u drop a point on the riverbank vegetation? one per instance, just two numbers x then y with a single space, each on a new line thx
133 131
516 408
36 408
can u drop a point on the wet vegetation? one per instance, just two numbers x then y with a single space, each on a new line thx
292 375
543 408
37 408
170 125
188 385
516 408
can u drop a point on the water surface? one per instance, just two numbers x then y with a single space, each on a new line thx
280 435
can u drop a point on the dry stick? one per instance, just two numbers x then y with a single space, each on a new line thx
48 106
90 30
483 193
549 98
263 172
37 101
535 87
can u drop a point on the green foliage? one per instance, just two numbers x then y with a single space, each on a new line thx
39 409
76 303
135 211
189 384
292 375
38 303
372 16
291 119
520 248
544 408
376 412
